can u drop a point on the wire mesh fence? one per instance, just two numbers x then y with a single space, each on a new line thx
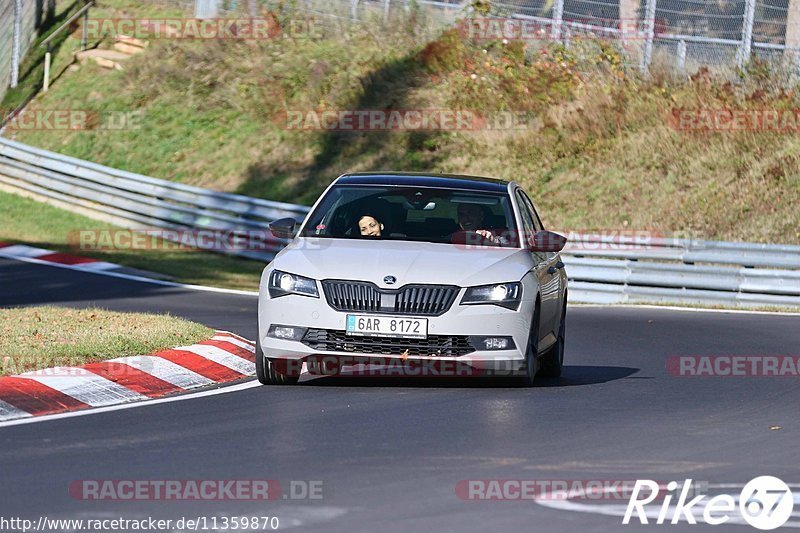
20 24
721 35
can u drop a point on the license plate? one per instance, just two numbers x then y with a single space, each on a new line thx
387 326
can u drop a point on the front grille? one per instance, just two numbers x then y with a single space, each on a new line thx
362 296
352 295
333 340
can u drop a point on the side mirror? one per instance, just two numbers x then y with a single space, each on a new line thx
283 228
547 241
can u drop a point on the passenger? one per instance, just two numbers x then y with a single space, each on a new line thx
370 226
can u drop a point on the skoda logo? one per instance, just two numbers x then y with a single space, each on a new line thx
390 280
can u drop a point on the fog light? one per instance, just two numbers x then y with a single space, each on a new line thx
495 343
286 332
492 343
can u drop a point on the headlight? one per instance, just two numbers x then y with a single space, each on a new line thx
506 295
283 283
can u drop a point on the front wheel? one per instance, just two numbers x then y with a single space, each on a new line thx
553 360
267 372
530 356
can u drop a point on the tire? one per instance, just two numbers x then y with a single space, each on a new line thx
553 360
530 354
267 373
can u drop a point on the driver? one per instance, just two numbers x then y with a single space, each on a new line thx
471 218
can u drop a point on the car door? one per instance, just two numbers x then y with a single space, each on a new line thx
539 262
547 264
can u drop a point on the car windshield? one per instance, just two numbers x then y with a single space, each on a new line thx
413 214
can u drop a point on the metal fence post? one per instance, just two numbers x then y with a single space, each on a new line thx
386 10
205 9
747 33
46 84
682 56
84 33
354 9
797 63
558 20
650 29
15 45
792 40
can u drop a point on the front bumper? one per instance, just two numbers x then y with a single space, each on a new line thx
460 321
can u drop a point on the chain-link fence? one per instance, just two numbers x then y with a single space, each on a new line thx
20 22
720 34
723 35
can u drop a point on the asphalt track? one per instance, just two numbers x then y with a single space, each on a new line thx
390 452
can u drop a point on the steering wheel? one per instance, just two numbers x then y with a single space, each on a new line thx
471 237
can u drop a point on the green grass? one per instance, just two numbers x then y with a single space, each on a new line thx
33 338
26 221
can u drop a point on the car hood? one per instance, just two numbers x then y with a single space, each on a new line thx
409 262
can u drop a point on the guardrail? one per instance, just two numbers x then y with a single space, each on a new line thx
660 270
136 201
630 280
684 271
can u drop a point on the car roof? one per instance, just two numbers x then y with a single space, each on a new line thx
419 179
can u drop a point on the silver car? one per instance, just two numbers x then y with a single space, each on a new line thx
429 275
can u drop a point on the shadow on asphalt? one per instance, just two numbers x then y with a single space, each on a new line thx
36 284
571 376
